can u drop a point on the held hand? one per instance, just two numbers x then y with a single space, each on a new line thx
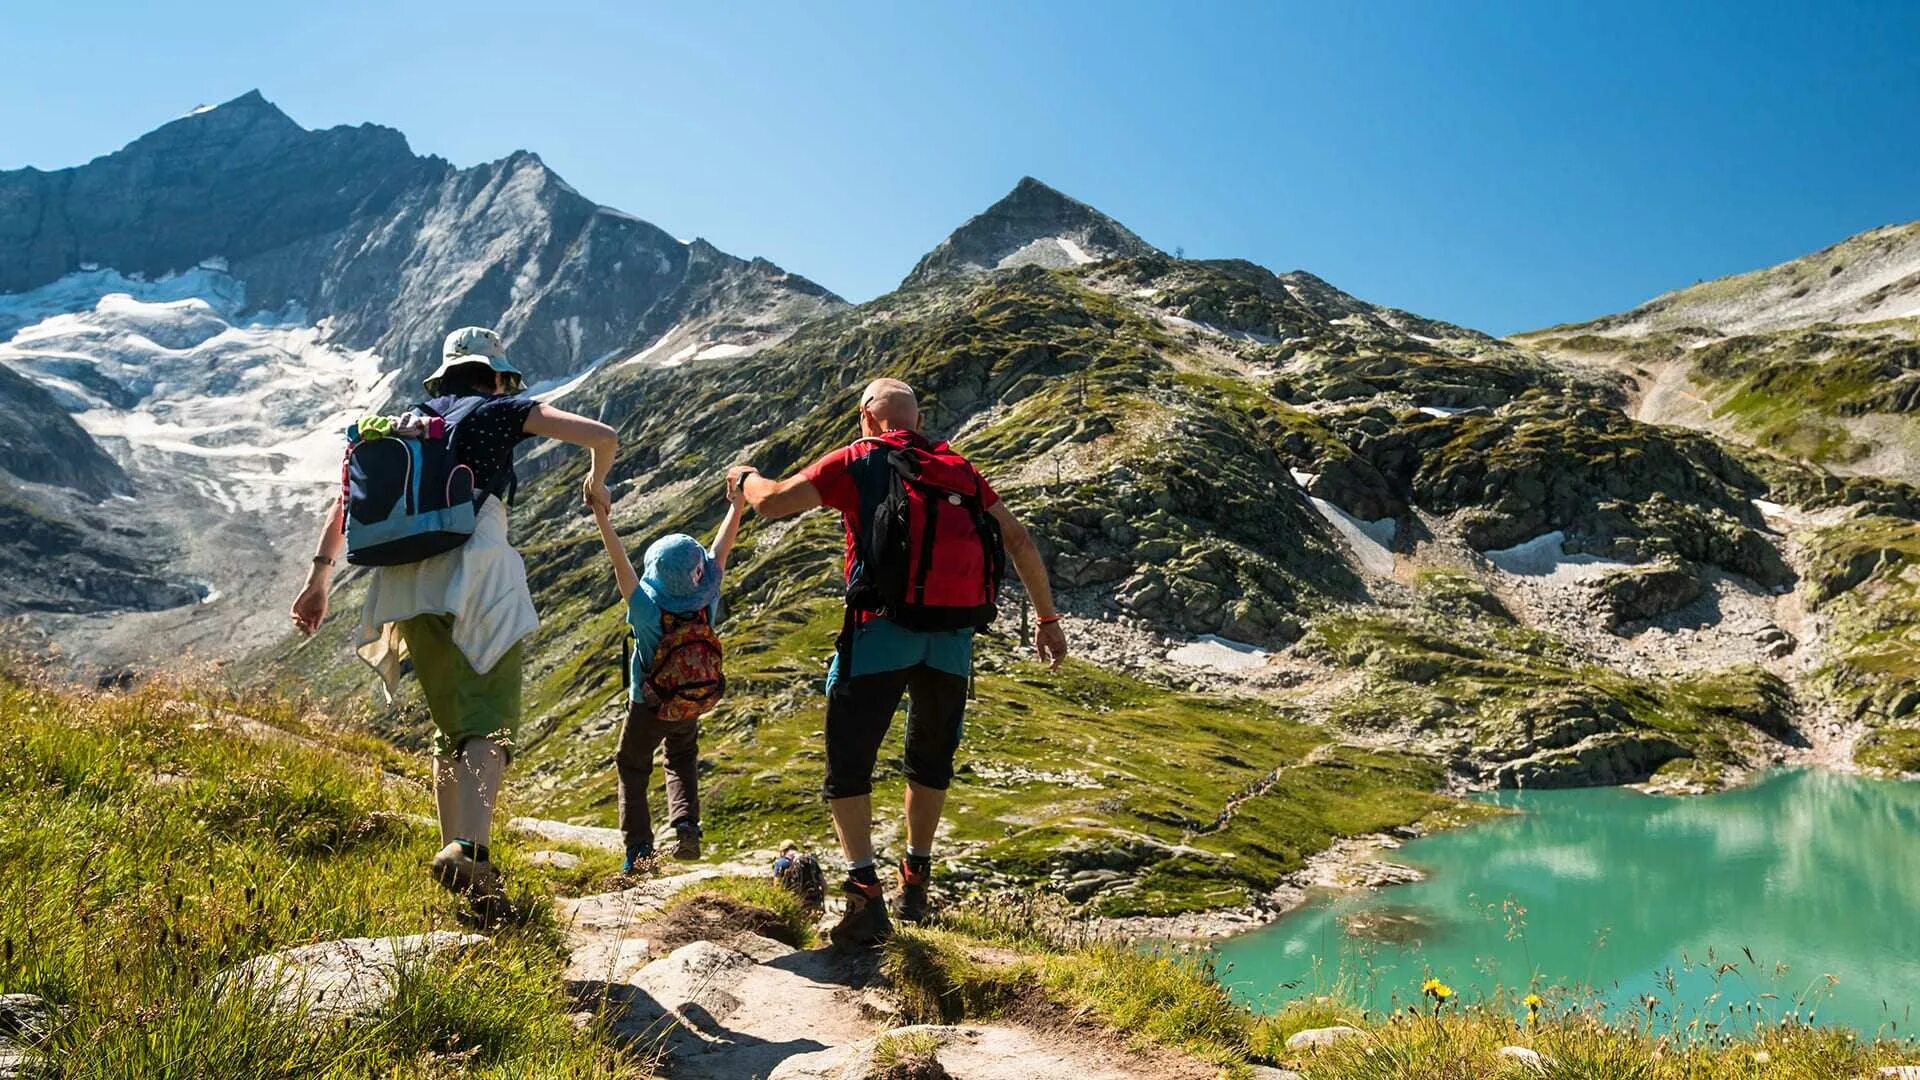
736 483
310 607
595 495
1050 642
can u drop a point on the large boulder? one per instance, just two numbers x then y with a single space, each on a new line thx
1645 592
344 979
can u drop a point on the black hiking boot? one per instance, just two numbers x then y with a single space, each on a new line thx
686 842
911 907
865 923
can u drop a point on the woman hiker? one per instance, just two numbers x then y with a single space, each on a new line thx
461 616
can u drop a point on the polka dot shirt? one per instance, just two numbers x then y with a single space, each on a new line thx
486 437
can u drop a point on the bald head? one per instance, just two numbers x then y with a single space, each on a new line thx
889 405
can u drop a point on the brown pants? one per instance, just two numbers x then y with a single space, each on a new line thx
639 735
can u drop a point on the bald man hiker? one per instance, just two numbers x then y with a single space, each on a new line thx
927 544
423 502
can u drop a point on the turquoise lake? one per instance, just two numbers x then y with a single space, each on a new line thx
1814 873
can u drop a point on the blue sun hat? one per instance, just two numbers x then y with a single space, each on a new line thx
680 576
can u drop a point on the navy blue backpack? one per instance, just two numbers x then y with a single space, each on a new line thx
409 498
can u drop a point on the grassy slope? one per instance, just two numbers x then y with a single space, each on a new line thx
149 847
165 847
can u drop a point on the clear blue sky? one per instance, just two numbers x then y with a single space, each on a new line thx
1500 165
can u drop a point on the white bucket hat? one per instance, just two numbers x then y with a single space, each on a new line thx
473 345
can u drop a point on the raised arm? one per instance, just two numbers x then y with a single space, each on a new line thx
729 525
552 423
310 607
774 498
623 574
1049 640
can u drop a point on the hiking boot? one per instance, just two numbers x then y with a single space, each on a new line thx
486 885
911 907
453 868
865 922
686 842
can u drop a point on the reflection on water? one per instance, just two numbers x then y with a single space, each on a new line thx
1611 889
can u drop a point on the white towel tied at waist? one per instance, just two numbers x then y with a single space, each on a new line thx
482 584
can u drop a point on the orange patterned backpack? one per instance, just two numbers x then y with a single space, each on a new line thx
686 678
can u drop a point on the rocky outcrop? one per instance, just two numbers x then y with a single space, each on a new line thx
344 979
1601 759
1644 592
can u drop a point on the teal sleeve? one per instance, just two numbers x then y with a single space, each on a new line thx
643 618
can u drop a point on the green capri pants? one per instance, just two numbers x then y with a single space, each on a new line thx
465 704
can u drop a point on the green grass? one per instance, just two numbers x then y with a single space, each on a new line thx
150 846
759 905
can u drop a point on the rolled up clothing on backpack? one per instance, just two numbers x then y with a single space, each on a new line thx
482 584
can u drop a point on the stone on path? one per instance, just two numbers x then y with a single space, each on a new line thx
559 832
1268 1072
558 860
342 979
600 927
968 1052
1315 1038
1525 1056
729 1012
24 1018
1900 1072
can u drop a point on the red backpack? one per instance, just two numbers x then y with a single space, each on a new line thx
685 679
928 555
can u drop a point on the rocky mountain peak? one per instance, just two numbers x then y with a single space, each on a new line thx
1034 224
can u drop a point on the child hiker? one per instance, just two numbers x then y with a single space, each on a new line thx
674 675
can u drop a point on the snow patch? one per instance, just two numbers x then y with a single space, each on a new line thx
1219 331
1370 541
1074 251
1442 410
248 410
1220 654
556 388
1544 556
723 351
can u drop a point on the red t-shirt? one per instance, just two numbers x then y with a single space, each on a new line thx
839 477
